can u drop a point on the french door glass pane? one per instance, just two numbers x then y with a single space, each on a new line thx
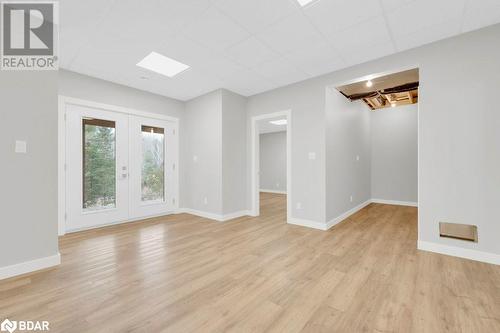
99 164
153 165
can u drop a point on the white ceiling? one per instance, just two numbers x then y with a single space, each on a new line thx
250 46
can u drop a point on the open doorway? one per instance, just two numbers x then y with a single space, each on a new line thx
271 164
372 143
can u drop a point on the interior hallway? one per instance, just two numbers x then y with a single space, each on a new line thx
182 273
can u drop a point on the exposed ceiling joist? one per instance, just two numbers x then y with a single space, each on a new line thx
385 91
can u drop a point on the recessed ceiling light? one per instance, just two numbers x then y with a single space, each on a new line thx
278 122
163 65
369 83
305 2
393 104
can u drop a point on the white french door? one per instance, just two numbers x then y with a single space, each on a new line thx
119 167
152 166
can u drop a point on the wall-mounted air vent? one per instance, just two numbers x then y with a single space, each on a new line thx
465 232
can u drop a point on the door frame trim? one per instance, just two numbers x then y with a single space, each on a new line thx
63 101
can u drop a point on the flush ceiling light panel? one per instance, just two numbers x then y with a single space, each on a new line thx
278 122
305 2
163 65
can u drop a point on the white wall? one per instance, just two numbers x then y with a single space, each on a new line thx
272 158
394 163
234 162
201 154
458 134
306 103
348 157
28 190
85 87
214 132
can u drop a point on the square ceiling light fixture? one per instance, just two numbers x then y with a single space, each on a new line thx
305 2
163 65
278 122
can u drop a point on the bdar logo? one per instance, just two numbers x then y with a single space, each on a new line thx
24 325
8 326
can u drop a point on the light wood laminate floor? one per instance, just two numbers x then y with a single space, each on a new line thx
182 273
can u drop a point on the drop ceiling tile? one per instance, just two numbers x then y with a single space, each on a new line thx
251 52
198 57
255 15
280 71
248 83
188 84
318 60
78 24
368 32
219 66
332 16
393 4
479 14
121 55
361 54
106 38
139 19
178 13
183 49
127 34
215 30
290 33
428 35
422 14
196 83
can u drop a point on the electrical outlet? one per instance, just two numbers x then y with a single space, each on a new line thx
205 201
350 198
277 185
195 158
299 205
357 157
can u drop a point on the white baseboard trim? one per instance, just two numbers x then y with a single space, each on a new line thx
345 215
272 191
213 216
235 215
29 266
331 223
490 258
207 215
307 223
97 226
395 202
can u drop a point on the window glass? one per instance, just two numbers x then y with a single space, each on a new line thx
153 164
99 164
